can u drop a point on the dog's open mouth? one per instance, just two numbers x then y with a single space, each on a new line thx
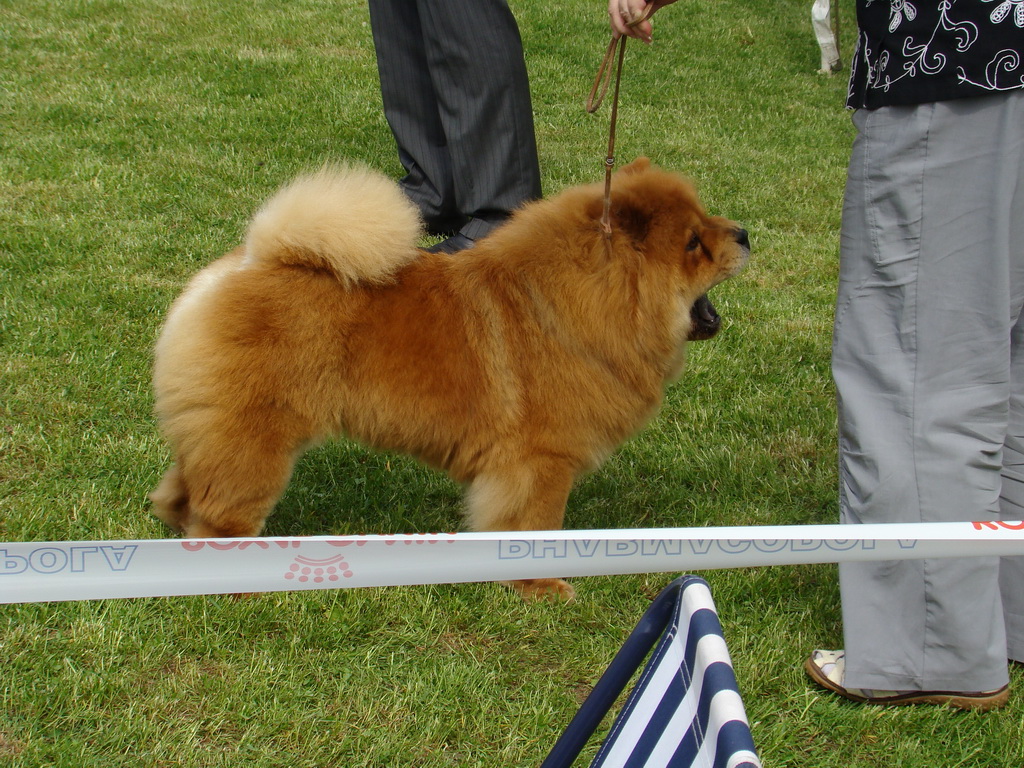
705 321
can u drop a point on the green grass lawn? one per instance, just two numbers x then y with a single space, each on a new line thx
137 137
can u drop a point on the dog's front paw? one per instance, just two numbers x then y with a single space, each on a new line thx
555 590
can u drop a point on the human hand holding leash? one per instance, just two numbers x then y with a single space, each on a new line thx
632 17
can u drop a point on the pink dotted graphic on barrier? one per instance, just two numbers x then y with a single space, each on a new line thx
306 569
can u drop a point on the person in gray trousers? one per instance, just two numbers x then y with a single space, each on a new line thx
457 98
928 345
928 349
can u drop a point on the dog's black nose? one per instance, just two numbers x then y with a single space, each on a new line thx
742 238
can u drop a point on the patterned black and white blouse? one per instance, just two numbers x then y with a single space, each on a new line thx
915 51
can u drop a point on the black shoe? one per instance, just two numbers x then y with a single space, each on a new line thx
444 227
454 244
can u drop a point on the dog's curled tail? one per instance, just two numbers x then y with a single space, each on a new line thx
348 219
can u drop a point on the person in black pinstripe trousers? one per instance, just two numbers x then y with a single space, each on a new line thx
457 97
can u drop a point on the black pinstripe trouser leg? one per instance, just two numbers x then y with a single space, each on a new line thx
456 95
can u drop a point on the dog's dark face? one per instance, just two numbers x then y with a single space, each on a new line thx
705 320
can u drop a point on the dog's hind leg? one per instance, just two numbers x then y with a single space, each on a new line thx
227 486
170 499
234 495
525 497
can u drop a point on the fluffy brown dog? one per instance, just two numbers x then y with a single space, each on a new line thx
514 366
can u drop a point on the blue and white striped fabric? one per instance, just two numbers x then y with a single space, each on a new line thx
685 710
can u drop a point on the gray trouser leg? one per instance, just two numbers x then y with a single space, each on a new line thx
928 370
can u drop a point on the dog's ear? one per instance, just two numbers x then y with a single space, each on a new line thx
639 165
629 216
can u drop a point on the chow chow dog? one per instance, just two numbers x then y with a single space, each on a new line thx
513 366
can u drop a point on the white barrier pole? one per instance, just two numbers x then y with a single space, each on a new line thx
90 570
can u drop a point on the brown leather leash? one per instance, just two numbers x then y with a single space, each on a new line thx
596 98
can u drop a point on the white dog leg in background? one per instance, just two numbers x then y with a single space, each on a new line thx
821 20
